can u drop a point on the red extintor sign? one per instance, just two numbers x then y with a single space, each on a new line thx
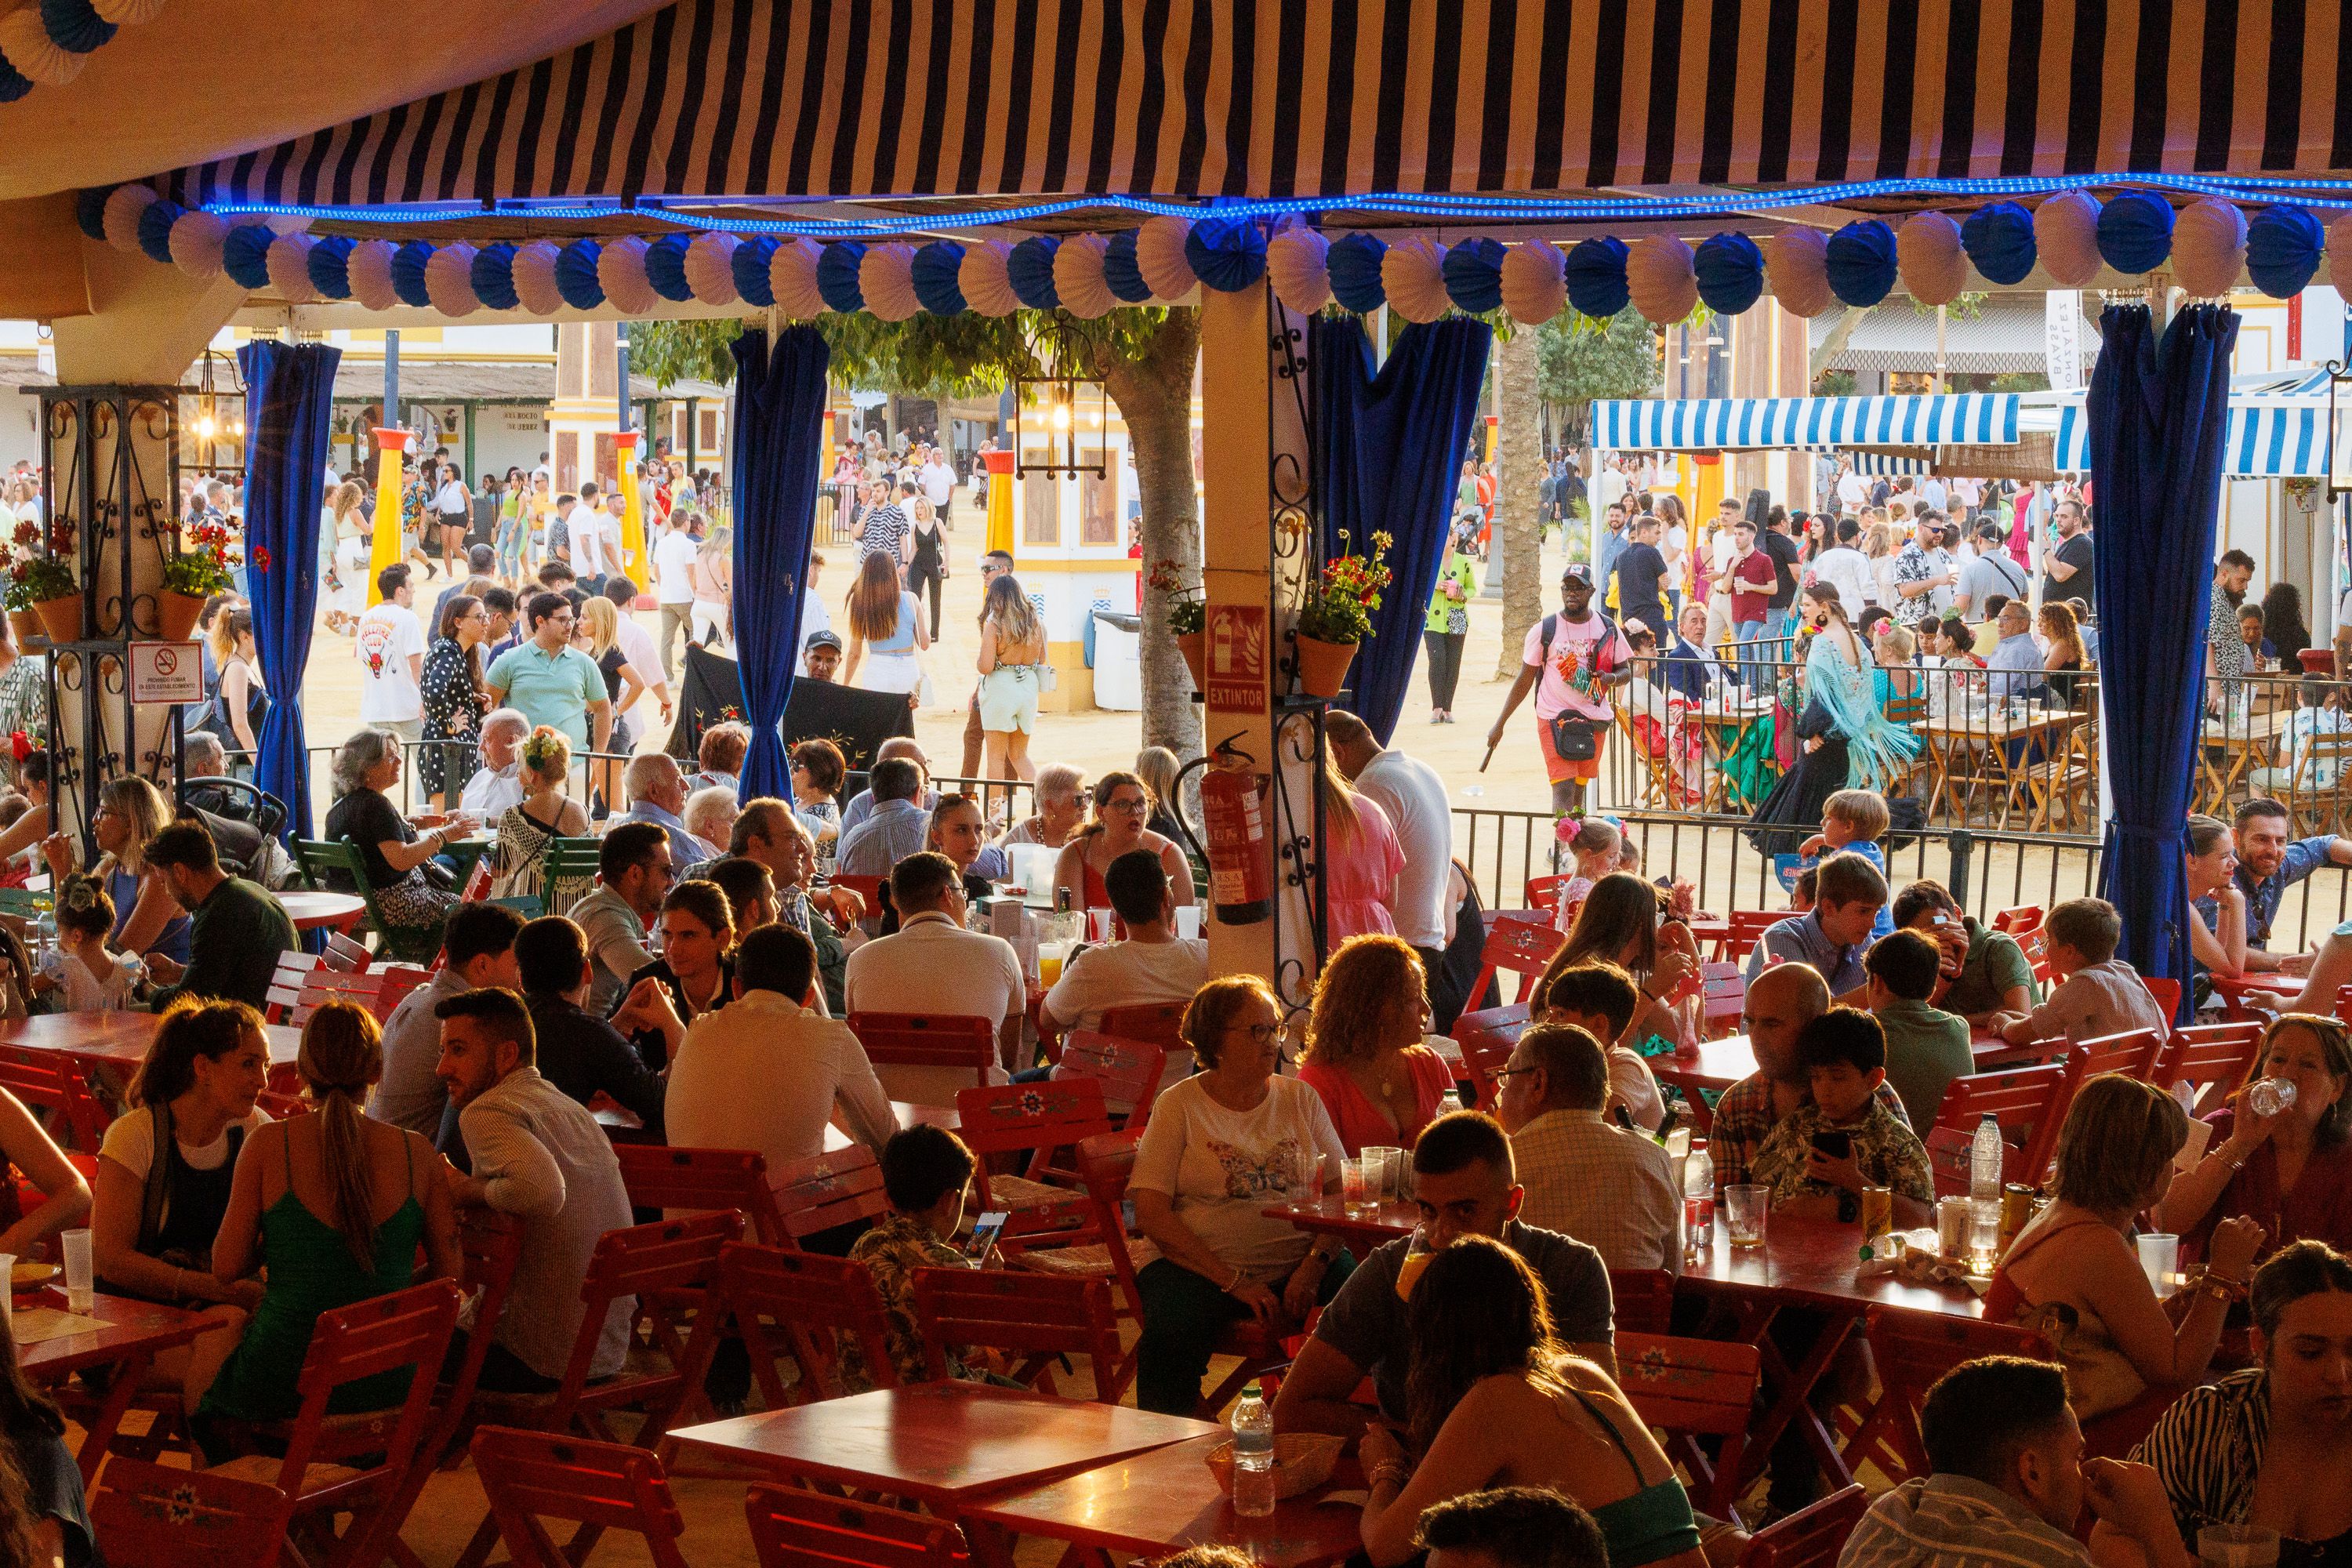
1236 658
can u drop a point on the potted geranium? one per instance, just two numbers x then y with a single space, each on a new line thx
42 581
1337 614
1187 614
194 574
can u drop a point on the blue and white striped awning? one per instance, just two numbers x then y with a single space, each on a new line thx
1818 424
2263 439
1891 465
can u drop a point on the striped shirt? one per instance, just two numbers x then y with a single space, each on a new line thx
1952 1522
2208 1449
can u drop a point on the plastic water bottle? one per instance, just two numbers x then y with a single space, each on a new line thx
1253 1455
1986 1154
1699 1200
2271 1095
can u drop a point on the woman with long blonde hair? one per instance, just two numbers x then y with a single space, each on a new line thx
886 629
598 638
334 1206
352 550
1011 675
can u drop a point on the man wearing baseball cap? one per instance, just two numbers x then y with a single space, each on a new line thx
1572 660
821 655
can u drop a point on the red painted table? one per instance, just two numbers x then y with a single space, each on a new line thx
135 1333
1368 1227
311 911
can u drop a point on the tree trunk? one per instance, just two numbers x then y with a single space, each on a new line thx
1154 394
1518 468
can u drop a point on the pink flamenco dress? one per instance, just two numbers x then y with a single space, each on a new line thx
1360 872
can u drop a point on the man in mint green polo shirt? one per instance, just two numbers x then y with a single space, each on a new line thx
552 682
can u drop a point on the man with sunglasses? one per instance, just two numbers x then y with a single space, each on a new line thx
634 872
551 681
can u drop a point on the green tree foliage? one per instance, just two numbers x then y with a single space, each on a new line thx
1579 359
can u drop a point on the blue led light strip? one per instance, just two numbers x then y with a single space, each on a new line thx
1450 208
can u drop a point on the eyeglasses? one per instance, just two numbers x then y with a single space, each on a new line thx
1496 1074
1132 807
1259 1033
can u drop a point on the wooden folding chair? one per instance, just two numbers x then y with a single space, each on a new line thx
2029 1102
952 1040
51 1084
2019 919
696 1181
1951 1152
869 890
1125 1069
1813 1537
2166 994
812 1301
533 1476
1747 928
2035 945
2212 1058
1522 947
353 1464
1543 893
1659 786
377 990
828 1190
1157 1022
325 864
294 970
1039 1120
671 1269
341 952
1690 1389
149 1514
1040 1317
1643 1299
796 1529
569 871
1723 998
2133 1053
1912 1349
1486 1048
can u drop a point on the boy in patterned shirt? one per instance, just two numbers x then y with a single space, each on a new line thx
1819 1158
925 1171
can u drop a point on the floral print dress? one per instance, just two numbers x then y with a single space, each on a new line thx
453 710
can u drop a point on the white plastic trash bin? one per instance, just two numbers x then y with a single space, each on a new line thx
1119 668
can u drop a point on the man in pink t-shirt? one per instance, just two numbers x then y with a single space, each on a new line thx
1572 660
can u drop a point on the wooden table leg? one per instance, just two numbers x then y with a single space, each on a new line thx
1795 1385
128 1374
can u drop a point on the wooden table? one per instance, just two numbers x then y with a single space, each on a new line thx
311 911
2239 746
944 1445
135 1333
118 1038
1161 1501
1373 1226
1957 735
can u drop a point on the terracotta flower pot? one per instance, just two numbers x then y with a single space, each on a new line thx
61 617
175 614
1323 665
1194 645
27 626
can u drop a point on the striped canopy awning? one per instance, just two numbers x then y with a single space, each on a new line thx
1820 424
707 99
2263 439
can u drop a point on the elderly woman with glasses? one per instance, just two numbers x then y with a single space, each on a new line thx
1222 1146
394 853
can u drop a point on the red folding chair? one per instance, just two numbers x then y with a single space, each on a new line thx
2029 1102
2035 945
2133 1053
1041 1318
796 1528
1951 1153
1126 1069
811 1300
828 1190
1002 1123
1543 893
1691 1389
957 1041
1813 1537
1723 998
2212 1058
533 1476
2343 1003
1912 1349
1744 930
51 1084
190 1519
2166 994
1522 947
1643 1299
2019 919
696 1181
295 968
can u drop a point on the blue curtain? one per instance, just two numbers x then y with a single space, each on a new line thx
779 432
1387 456
289 398
2157 408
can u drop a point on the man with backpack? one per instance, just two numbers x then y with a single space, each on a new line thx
1571 661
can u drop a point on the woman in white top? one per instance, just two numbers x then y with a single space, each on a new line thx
711 580
1222 1146
350 556
454 503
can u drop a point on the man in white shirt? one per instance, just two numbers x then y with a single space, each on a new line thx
390 643
538 1154
1412 794
1609 1187
808 1067
1853 495
496 784
674 587
938 481
637 645
1847 568
1153 965
933 965
590 526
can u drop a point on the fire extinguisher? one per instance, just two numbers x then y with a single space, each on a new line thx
1235 810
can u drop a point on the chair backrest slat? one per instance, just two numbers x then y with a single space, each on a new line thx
2133 1053
826 1190
1126 1069
927 1040
1813 1537
663 1176
52 1081
406 1328
796 1528
1105 1165
812 1299
531 1475
1641 1299
1155 1023
190 1519
1039 1315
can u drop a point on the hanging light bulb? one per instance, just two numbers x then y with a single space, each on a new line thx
1061 417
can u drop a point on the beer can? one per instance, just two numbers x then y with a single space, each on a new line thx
2017 1202
1877 1212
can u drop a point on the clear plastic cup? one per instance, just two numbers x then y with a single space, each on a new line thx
1188 921
81 1285
1952 1217
8 1296
2159 1256
1745 1208
1353 1181
1381 1166
2237 1546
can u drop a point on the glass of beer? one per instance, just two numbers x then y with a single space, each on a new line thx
1418 1251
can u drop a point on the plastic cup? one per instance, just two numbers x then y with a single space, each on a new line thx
81 1292
1188 921
1381 1164
2237 1546
2159 1256
1952 1227
8 1297
1353 1181
1746 1209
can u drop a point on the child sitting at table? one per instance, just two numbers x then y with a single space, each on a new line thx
1601 999
1855 820
1926 1048
91 978
1805 891
1597 849
2094 992
925 1171
1818 1159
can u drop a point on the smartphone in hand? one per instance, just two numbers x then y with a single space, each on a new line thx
982 1239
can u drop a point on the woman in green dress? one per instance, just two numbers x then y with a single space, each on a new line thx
336 1205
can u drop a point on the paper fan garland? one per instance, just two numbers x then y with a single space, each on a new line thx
331 269
665 268
1929 257
2134 232
1473 275
245 256
1999 239
792 278
1355 261
986 286
1861 262
30 49
2067 236
533 270
89 205
125 13
123 208
1078 277
155 229
1120 271
886 278
1534 282
1228 254
2209 247
289 263
575 274
408 274
492 276
2283 249
1413 275
1159 257
1731 273
1594 272
621 273
369 268
1030 269
837 276
935 271
1796 269
1659 276
709 267
196 239
449 280
750 266
1296 264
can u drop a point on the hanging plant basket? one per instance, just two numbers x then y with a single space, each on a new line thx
60 617
177 614
1323 665
1194 647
